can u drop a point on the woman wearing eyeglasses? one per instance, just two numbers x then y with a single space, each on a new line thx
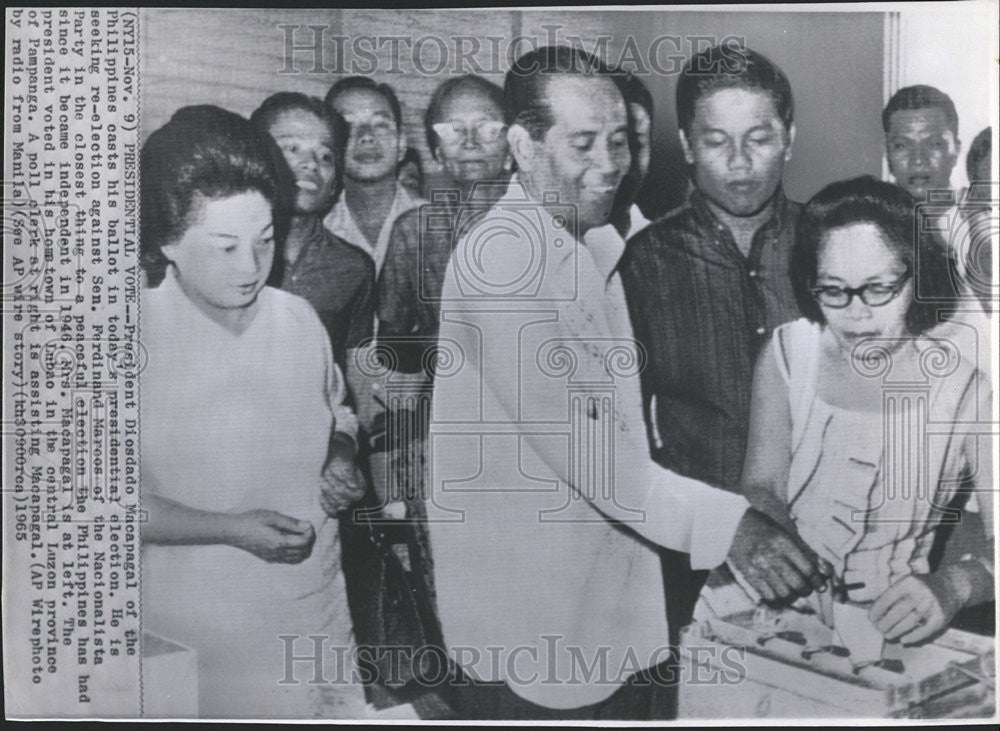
862 431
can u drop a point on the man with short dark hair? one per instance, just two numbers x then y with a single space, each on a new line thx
921 139
708 282
373 198
922 148
336 278
545 509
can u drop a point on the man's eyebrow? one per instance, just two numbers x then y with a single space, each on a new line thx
368 115
222 235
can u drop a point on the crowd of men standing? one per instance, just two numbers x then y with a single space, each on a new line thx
449 317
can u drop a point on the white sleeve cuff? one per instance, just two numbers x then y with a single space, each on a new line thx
714 526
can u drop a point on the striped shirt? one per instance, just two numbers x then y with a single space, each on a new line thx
703 310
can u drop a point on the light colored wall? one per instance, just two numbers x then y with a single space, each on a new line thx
954 48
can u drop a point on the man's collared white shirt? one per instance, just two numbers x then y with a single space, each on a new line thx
545 509
637 221
340 221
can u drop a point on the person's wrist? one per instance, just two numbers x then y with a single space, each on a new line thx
952 587
233 529
343 446
975 581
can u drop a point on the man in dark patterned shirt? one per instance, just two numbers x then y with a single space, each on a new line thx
466 134
708 282
337 279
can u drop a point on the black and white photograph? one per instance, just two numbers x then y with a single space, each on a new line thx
572 364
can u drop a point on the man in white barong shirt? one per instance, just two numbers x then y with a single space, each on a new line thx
545 509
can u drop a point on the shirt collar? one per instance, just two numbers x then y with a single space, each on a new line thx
636 220
604 243
341 222
707 218
606 246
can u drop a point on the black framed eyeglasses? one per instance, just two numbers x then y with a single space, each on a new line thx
875 294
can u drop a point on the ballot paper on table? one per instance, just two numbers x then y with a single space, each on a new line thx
857 633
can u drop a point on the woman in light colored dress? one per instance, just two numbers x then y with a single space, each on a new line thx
863 429
241 558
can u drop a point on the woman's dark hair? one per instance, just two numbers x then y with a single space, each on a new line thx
277 104
203 152
433 114
869 200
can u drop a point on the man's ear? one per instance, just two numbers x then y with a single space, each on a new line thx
791 142
958 149
688 155
522 147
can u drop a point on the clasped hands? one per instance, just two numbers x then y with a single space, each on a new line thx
278 538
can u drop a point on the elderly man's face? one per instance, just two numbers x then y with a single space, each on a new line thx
585 154
738 147
472 140
375 145
921 150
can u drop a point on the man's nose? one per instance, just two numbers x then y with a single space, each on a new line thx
309 161
470 139
739 158
922 157
364 134
608 162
